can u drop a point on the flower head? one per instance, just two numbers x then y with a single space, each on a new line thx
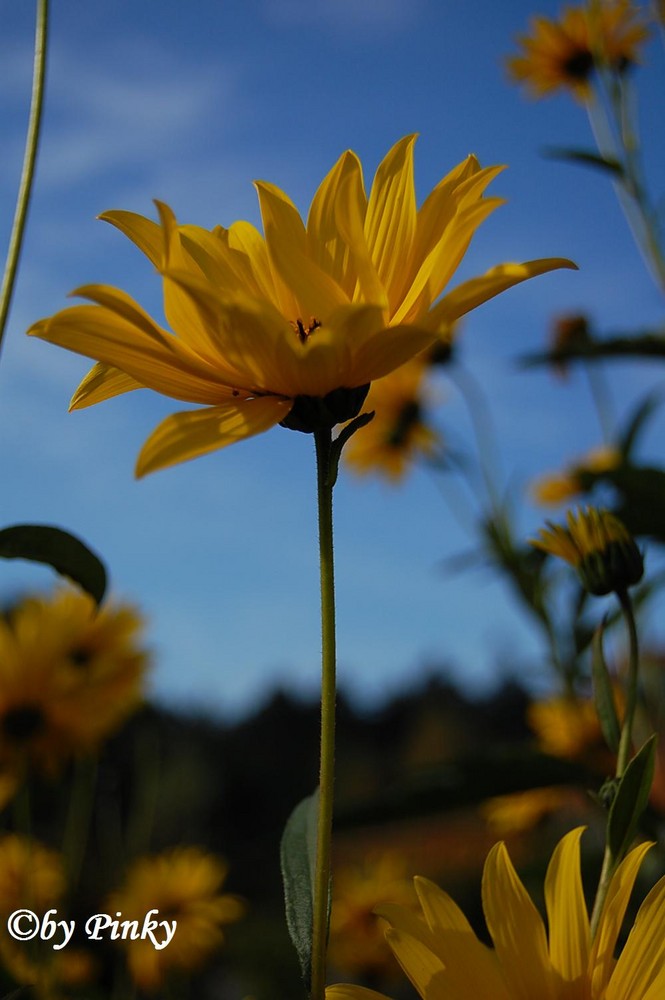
562 54
442 956
289 326
558 487
357 943
70 674
599 546
399 432
184 885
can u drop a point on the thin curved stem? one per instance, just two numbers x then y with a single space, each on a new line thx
322 874
29 161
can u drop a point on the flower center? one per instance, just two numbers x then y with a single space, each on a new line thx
407 418
303 331
579 65
20 724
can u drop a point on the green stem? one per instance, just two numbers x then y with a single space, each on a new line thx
610 862
29 160
322 873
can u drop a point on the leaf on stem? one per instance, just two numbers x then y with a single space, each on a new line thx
298 860
68 555
587 157
631 799
603 694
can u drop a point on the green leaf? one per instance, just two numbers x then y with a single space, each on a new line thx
638 418
298 860
631 799
587 157
67 554
603 694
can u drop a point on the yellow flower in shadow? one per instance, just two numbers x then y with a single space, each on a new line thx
562 54
183 884
357 942
70 674
442 956
399 433
289 326
31 877
521 811
559 487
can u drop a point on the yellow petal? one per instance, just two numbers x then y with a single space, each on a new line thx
350 211
474 292
419 963
569 933
386 349
197 432
390 224
517 930
146 234
102 382
146 353
471 969
642 960
444 258
602 959
325 241
285 232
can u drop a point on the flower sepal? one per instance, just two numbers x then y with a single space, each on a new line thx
318 413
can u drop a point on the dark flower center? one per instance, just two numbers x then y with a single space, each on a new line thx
80 656
579 65
20 724
407 418
304 331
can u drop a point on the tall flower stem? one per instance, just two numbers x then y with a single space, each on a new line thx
610 862
322 872
29 161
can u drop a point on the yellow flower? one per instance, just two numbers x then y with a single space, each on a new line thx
565 726
559 487
443 958
183 884
31 877
69 675
600 548
399 432
562 54
520 811
357 942
288 327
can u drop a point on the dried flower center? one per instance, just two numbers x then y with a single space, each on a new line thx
304 331
20 724
579 65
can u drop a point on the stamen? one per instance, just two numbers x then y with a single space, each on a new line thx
304 331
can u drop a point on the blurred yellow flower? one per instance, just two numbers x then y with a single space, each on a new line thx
565 726
599 546
31 876
521 811
357 941
562 54
288 327
555 488
183 884
443 958
70 674
399 433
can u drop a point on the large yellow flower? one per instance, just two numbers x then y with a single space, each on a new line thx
290 326
184 885
444 959
69 675
562 54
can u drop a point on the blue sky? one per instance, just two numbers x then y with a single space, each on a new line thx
189 103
